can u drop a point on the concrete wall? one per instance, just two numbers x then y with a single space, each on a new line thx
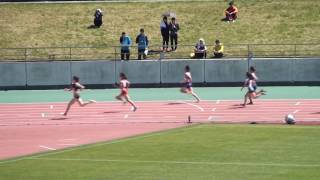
306 70
225 70
48 73
139 72
94 72
275 71
156 72
12 74
173 71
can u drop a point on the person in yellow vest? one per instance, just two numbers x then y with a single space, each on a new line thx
218 49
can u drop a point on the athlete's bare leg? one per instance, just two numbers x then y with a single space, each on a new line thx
71 102
121 98
82 104
127 98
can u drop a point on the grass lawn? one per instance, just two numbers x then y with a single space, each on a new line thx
224 152
269 21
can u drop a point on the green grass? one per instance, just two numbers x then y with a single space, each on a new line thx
215 152
260 22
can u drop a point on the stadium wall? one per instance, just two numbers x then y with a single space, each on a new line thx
155 73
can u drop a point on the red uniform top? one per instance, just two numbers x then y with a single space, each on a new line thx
232 9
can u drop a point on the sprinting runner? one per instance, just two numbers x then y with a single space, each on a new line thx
187 88
252 71
76 87
124 93
250 82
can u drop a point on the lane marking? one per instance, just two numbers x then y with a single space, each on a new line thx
125 116
213 118
200 108
180 162
125 139
46 147
297 103
213 109
294 112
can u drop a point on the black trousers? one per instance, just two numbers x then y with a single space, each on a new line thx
218 55
174 41
125 52
141 53
165 41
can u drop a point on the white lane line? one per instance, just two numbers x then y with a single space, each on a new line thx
181 162
125 116
297 103
200 108
114 142
218 102
46 147
294 112
213 109
213 118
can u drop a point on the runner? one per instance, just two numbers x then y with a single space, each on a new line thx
124 93
250 82
187 88
76 87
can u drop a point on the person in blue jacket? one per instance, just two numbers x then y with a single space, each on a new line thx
125 42
142 41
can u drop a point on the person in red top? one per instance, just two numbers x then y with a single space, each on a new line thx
231 12
124 91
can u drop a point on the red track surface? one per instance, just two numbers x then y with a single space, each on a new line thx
24 130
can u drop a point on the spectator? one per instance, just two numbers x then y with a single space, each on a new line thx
200 50
164 27
218 49
174 28
125 42
98 18
142 41
231 12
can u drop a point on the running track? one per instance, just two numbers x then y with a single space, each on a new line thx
31 128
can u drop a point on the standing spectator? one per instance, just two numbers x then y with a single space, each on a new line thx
164 28
98 18
200 49
231 12
125 42
142 41
218 49
174 28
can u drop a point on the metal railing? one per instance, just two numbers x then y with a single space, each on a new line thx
183 52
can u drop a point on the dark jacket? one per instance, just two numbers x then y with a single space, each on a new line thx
142 41
174 28
164 27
